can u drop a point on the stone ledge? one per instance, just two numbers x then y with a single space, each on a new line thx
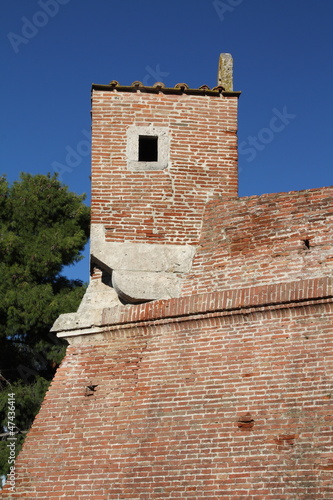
273 296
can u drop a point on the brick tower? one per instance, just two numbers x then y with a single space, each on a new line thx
200 361
159 155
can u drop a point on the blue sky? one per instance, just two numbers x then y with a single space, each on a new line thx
53 50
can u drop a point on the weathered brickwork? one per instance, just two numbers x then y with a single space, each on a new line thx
163 206
264 239
236 406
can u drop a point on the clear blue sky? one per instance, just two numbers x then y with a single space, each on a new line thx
53 50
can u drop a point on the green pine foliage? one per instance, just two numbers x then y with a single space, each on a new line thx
43 227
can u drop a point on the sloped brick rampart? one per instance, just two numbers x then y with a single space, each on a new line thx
218 396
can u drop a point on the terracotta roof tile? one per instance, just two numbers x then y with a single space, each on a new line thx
179 88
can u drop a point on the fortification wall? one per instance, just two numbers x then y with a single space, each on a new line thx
222 395
271 238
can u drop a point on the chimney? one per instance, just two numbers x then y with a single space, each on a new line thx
225 72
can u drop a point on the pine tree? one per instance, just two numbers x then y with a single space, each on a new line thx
43 227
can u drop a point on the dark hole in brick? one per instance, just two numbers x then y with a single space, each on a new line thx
306 244
148 148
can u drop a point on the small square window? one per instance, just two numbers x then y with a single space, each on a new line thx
148 148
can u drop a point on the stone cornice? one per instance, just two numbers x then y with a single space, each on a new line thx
215 304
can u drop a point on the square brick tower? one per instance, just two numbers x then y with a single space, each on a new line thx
158 156
200 361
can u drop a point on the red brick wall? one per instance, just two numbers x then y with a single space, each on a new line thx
260 239
161 206
234 403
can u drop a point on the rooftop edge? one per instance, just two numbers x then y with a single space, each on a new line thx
180 88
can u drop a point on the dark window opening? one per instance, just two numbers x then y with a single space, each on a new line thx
148 148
